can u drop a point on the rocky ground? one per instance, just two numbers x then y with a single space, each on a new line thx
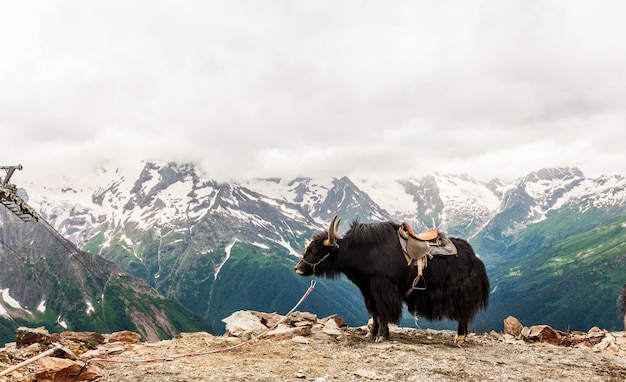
317 351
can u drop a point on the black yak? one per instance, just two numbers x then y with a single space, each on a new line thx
370 255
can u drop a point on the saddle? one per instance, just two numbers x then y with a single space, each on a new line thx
418 248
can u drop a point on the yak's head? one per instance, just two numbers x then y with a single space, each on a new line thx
315 257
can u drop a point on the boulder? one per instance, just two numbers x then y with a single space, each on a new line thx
28 336
125 336
544 333
302 318
243 324
51 369
512 326
91 339
268 319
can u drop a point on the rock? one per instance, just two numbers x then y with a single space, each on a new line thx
367 374
283 331
243 324
269 319
607 341
301 340
101 352
33 350
92 339
525 332
331 325
125 336
324 337
338 320
27 336
544 333
65 370
513 327
304 317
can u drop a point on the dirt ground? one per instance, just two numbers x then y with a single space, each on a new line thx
341 354
410 355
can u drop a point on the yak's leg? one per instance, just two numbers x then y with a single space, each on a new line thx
383 330
373 333
461 332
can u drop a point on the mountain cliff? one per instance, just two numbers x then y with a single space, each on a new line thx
45 280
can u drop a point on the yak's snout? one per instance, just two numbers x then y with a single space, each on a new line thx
303 269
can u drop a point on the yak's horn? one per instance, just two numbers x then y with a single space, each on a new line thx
332 232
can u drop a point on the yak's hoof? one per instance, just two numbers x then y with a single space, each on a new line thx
459 339
381 339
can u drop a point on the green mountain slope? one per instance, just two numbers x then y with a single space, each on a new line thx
46 281
255 279
566 271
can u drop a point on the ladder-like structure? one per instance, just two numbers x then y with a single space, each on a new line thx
10 199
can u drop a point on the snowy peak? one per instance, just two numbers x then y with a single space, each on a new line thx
554 174
179 197
551 189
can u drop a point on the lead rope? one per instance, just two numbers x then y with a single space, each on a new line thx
173 357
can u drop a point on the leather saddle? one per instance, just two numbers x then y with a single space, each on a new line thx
418 248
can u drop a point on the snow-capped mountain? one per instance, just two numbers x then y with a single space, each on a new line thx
530 199
174 226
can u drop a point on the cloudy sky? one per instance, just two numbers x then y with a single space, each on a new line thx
286 88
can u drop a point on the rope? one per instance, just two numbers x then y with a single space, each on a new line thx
198 353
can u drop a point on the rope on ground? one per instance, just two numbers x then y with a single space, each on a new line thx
198 353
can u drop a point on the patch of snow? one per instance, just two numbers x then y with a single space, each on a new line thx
90 308
61 322
227 250
260 245
42 306
6 297
288 246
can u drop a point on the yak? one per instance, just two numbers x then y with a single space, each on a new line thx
370 255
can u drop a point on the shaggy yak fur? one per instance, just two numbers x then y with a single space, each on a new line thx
370 255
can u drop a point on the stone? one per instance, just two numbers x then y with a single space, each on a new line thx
269 319
283 331
338 320
325 337
51 369
33 350
302 318
544 333
331 325
301 340
525 332
607 341
496 336
27 336
365 373
125 336
102 352
513 327
243 324
91 339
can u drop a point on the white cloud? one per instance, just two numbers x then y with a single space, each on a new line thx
336 88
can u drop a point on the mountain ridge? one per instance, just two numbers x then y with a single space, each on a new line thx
178 229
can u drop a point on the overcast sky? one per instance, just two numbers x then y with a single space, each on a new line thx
315 88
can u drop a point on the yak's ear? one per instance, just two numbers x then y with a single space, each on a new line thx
332 232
